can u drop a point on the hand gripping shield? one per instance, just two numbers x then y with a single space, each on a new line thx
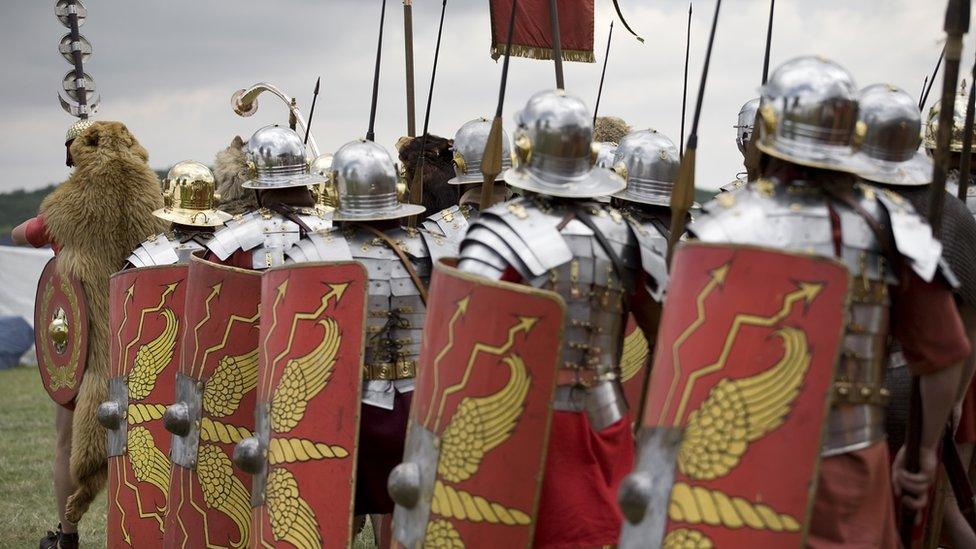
209 500
479 424
147 323
303 455
60 334
738 397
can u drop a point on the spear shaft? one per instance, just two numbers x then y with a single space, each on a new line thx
684 89
376 76
603 75
491 161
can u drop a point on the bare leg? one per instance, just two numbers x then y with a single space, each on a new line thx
958 531
63 485
382 529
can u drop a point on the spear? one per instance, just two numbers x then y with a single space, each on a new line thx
376 76
956 25
311 112
417 189
931 80
967 141
408 56
683 194
606 57
684 92
769 41
922 94
491 160
557 49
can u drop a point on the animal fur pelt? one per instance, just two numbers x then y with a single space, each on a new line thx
438 170
610 129
98 216
230 170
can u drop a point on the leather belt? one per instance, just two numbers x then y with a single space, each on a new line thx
576 376
389 371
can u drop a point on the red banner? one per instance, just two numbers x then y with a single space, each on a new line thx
532 36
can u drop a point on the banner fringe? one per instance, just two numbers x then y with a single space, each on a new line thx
532 52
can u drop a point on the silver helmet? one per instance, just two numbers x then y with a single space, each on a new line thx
469 147
958 122
366 181
744 126
809 115
893 125
276 159
649 162
554 145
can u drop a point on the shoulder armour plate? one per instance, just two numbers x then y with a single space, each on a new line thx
913 236
155 251
653 254
533 233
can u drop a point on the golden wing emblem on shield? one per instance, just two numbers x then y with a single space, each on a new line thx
233 378
292 519
634 356
152 358
222 490
148 463
303 378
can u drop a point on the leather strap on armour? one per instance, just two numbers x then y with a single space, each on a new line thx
407 264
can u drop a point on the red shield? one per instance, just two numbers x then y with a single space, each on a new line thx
209 500
744 365
312 322
479 424
60 333
147 324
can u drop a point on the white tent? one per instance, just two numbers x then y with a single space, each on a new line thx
20 269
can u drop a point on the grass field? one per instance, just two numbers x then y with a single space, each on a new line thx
26 447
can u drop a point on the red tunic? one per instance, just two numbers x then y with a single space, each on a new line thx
854 504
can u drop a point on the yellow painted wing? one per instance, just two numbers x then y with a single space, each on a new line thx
292 519
481 424
152 357
303 378
233 378
222 490
740 411
634 356
148 463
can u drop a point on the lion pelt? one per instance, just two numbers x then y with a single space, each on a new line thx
438 169
610 129
230 170
97 216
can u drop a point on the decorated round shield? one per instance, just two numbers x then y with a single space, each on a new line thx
60 334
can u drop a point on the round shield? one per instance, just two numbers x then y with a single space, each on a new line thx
60 333
67 48
63 9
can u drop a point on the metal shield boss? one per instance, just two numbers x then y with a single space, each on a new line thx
60 334
479 423
146 324
734 415
303 455
209 499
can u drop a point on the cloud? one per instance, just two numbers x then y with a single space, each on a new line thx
168 69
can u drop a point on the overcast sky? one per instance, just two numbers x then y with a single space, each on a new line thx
168 69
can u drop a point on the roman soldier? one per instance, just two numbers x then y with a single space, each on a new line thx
217 383
92 221
648 161
469 147
744 132
893 123
808 200
190 210
556 239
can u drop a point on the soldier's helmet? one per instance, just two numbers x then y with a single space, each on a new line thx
469 148
958 122
893 126
325 192
745 123
189 196
276 159
809 115
554 146
366 180
649 162
75 129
